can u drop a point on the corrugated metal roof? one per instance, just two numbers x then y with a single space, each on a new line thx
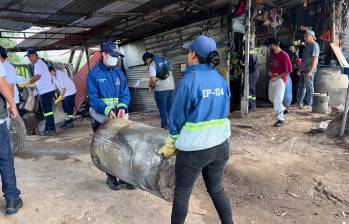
28 10
105 19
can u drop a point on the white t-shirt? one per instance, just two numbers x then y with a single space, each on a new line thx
11 78
2 71
161 85
45 83
62 80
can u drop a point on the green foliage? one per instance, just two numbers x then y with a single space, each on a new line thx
8 43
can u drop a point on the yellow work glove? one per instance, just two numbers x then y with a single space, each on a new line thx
59 99
169 148
24 84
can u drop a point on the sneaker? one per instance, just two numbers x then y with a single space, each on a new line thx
63 125
113 183
68 125
301 106
49 133
307 107
127 185
279 123
285 111
13 206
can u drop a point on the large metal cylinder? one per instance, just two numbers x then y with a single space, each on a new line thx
329 77
128 150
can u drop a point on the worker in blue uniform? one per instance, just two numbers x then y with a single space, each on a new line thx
253 78
108 96
200 130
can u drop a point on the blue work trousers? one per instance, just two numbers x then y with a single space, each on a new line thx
7 169
46 102
306 89
68 106
164 100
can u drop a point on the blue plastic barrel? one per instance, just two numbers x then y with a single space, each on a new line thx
288 93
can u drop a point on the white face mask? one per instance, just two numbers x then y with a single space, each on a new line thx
111 61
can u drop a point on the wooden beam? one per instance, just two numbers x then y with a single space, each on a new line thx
245 99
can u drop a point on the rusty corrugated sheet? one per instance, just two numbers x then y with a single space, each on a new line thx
80 81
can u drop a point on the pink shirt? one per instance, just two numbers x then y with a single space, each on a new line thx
280 63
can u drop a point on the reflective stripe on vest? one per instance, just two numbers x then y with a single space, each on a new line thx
110 101
204 125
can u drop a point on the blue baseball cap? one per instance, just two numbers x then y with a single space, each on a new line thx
147 55
30 51
50 68
202 45
3 51
111 48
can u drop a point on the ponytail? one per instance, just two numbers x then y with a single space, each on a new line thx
212 59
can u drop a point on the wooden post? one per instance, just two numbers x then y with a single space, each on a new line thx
245 99
333 20
345 115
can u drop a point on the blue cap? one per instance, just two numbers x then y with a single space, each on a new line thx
145 56
50 68
3 51
31 51
202 45
111 48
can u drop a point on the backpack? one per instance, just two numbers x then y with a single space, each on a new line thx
163 67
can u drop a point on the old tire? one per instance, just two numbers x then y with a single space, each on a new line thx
18 133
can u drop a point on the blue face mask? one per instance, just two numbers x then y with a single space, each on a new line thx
112 61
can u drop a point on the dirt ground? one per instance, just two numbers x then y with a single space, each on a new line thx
284 175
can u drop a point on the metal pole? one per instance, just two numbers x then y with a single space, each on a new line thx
71 57
345 115
244 101
78 62
87 58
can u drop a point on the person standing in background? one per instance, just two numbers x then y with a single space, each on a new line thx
161 80
279 68
308 69
253 78
44 88
67 92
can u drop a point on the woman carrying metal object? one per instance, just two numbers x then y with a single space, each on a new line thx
200 131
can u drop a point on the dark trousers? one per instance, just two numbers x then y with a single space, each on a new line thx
236 91
253 78
295 80
164 101
46 102
7 169
68 107
211 163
